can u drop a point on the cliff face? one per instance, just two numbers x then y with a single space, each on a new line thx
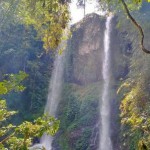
79 107
87 48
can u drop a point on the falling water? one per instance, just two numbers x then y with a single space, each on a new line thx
54 92
105 140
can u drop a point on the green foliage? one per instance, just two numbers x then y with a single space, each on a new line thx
20 50
28 130
49 18
13 82
4 114
116 5
78 111
20 137
135 113
83 142
135 104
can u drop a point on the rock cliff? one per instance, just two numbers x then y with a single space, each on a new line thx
79 107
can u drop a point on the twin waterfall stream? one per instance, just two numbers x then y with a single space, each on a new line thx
54 92
56 87
105 141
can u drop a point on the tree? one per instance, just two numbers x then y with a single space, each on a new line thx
133 4
20 137
135 102
137 25
48 17
82 3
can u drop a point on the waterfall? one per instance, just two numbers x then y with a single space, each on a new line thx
54 92
105 140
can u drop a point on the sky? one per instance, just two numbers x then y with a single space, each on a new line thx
78 13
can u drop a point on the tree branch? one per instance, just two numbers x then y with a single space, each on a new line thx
5 139
138 27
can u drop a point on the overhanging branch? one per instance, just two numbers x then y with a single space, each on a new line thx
138 27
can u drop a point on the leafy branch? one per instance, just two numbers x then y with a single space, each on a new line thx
137 25
20 137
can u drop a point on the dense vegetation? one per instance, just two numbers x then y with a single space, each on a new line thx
21 48
135 99
20 136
